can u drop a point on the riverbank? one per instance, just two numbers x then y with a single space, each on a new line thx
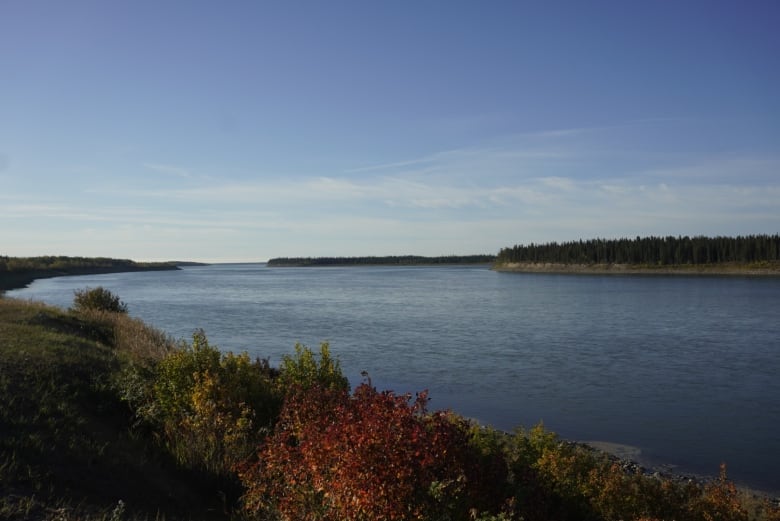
16 273
63 371
68 448
629 459
724 269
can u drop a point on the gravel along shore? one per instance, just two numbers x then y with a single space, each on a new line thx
631 461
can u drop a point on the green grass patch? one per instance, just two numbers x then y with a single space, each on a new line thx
66 439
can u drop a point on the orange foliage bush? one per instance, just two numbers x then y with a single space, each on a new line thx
720 501
370 456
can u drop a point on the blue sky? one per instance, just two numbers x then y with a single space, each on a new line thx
234 131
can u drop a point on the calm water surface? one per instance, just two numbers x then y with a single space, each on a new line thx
687 369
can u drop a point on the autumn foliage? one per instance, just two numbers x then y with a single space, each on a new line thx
209 408
369 456
298 445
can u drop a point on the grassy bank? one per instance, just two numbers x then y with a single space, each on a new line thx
103 417
67 446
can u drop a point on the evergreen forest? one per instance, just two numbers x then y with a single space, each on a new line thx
661 251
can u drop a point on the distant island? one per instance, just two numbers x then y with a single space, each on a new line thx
18 272
742 255
392 260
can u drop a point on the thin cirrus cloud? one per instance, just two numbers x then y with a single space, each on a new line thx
458 178
736 170
328 191
547 171
168 170
547 186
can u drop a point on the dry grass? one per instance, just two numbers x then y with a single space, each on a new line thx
132 336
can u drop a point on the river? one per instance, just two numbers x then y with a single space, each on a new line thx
685 369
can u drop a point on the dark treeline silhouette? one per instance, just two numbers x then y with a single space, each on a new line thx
395 260
649 251
17 272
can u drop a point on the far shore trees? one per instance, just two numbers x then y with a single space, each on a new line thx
660 251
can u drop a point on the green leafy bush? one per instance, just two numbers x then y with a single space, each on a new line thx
303 371
213 408
98 299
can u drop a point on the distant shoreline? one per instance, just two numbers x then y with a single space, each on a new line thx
771 269
11 280
390 260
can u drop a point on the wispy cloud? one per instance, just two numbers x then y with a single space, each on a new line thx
169 170
492 155
386 166
550 186
551 173
736 170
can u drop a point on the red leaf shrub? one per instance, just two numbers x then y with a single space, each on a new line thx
370 456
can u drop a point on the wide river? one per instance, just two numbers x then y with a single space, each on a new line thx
684 369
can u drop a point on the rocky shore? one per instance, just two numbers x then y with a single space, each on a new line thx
630 461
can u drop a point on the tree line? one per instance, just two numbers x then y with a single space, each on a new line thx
16 272
649 251
58 262
394 260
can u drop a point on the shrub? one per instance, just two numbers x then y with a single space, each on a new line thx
547 474
370 456
99 299
553 479
304 371
720 501
213 408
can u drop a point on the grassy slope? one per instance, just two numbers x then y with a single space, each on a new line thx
65 438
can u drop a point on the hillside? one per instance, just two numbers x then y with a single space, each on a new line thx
66 442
